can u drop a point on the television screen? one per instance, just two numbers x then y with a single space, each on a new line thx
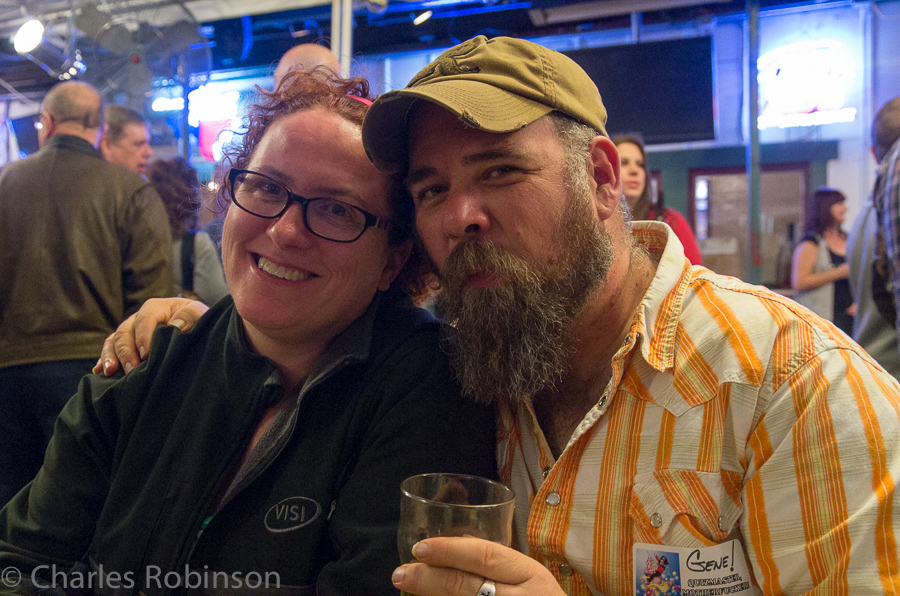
662 90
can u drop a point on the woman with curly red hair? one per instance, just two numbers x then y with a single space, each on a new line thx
264 449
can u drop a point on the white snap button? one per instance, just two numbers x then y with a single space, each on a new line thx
553 499
565 570
656 520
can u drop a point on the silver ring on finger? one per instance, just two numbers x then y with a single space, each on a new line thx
487 588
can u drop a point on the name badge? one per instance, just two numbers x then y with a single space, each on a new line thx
705 571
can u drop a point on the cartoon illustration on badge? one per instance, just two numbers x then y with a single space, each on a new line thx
659 576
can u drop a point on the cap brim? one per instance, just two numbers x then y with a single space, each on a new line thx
385 130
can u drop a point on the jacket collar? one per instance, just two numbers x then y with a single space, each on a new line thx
72 143
354 344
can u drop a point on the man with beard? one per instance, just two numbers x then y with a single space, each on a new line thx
647 408
645 404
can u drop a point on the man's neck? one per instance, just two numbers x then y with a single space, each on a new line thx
601 330
606 320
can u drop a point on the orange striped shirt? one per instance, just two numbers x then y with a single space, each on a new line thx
733 412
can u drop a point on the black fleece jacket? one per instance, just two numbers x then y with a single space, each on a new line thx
144 475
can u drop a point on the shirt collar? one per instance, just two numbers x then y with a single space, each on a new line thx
660 309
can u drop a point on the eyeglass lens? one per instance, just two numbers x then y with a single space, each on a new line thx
328 218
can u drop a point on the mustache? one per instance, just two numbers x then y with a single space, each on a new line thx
480 257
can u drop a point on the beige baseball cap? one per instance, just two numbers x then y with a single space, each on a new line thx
499 85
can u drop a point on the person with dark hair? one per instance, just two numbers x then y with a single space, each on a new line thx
197 270
265 448
82 244
126 139
636 188
819 270
874 322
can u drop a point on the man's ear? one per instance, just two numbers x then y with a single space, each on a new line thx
47 123
606 170
396 259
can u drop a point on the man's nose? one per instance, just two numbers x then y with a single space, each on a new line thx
465 215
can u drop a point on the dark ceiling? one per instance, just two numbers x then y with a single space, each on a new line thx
258 41
393 30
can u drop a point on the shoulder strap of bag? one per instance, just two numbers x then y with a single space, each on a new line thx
187 261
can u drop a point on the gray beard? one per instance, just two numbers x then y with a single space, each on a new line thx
513 341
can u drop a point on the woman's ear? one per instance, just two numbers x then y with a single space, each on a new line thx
606 172
396 259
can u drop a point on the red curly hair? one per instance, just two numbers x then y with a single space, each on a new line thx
303 90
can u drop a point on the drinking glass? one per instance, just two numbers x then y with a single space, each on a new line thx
453 505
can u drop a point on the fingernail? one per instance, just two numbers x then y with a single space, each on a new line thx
420 550
106 365
177 323
399 574
143 352
128 367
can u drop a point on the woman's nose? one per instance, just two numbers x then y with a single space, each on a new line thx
290 228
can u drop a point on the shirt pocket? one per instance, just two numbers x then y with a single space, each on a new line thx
685 508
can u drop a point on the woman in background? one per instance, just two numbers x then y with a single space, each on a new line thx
193 254
635 178
819 271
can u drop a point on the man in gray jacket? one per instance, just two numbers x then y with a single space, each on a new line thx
82 244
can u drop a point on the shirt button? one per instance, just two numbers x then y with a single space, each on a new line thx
565 570
722 525
546 471
656 520
553 499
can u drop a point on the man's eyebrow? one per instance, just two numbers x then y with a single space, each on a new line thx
494 154
419 175
475 158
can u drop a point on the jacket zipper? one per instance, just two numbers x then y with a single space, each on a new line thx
188 544
182 561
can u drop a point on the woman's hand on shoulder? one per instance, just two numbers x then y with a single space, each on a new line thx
130 343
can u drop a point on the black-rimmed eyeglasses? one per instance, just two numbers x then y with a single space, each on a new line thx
330 219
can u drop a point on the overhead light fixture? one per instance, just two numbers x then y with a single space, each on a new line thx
423 16
606 8
29 36
30 41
